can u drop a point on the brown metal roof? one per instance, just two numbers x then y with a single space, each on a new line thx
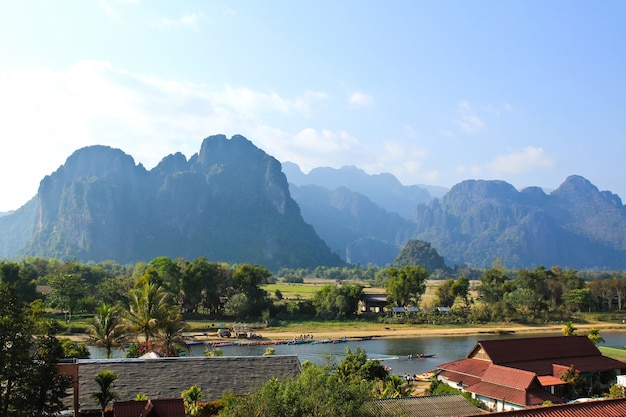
600 408
522 397
429 406
514 378
473 367
522 349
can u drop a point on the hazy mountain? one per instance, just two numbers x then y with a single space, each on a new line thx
229 202
354 227
382 189
478 222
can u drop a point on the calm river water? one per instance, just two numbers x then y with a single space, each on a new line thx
392 351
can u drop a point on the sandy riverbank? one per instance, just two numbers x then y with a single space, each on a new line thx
351 330
355 331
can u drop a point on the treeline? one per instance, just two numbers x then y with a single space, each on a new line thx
220 290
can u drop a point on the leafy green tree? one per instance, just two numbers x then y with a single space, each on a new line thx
105 380
577 300
406 286
356 367
337 301
393 387
148 309
569 329
191 397
29 382
72 349
21 278
247 279
107 328
237 306
594 336
316 392
444 294
494 283
68 290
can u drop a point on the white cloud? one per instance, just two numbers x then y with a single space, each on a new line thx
467 119
360 99
49 114
187 20
519 162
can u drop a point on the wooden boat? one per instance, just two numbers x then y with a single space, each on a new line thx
422 356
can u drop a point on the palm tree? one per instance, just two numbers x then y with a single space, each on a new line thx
171 333
107 329
105 381
191 398
148 309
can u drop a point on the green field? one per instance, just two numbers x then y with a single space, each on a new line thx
613 352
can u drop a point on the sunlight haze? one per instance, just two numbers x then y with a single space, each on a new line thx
434 92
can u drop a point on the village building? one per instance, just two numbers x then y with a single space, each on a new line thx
373 303
595 408
517 373
166 378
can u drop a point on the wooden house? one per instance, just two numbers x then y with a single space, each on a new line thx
516 373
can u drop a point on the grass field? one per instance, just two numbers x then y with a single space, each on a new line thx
614 353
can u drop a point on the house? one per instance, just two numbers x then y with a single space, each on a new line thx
517 373
596 408
164 378
373 303
453 405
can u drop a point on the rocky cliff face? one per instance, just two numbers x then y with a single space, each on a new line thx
479 222
230 202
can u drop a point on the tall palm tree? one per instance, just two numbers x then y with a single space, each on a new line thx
107 329
148 309
172 334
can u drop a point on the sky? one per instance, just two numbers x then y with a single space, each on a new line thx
434 92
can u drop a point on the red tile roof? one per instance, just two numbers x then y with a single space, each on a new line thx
600 408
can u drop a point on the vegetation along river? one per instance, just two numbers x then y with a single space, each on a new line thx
392 351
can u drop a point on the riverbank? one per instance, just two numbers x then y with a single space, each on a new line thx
354 331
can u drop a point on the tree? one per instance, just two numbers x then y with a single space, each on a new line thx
191 397
569 329
594 336
29 382
105 380
21 278
337 301
247 279
316 392
406 286
494 283
68 290
107 328
148 309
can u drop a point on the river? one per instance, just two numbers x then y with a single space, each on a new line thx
392 351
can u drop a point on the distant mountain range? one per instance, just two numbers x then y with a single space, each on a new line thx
231 202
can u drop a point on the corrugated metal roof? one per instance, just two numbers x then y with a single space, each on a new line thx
514 378
600 408
429 406
504 351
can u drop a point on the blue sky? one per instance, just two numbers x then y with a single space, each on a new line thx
434 92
